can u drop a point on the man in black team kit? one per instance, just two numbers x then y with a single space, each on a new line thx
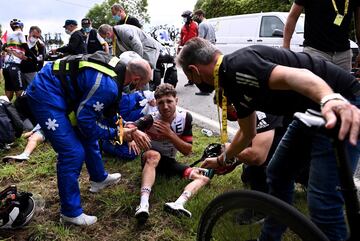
121 17
281 82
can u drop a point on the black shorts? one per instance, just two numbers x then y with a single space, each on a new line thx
168 167
13 77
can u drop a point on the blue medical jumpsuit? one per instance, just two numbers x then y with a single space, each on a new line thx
74 145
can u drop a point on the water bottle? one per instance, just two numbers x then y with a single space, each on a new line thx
207 172
206 132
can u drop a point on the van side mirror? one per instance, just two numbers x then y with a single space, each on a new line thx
278 33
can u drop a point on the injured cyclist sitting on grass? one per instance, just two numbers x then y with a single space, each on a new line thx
171 132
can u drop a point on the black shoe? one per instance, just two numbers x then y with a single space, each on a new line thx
202 93
188 84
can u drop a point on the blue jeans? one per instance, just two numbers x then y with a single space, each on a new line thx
325 201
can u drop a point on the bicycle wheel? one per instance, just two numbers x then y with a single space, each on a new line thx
239 215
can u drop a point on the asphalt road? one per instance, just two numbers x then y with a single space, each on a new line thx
205 114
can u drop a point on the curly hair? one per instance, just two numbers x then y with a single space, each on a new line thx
164 90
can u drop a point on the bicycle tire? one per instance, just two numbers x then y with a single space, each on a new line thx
268 205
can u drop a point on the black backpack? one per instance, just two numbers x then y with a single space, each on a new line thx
11 125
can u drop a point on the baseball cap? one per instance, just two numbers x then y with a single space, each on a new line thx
69 22
85 21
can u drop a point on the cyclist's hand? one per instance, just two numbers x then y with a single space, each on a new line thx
349 115
141 139
133 147
210 163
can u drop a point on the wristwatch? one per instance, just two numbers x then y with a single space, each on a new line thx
333 96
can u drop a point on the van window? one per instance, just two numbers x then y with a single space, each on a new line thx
269 24
299 28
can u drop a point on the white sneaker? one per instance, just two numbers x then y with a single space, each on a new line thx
142 213
17 158
176 209
82 219
110 180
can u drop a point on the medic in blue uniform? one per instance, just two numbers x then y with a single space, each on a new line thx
93 93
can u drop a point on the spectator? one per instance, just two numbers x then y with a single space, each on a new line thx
92 92
1 58
120 16
15 48
29 67
130 38
206 31
279 81
171 132
327 28
76 43
188 31
94 41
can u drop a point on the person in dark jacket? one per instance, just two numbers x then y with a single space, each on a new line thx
94 42
76 43
120 16
30 66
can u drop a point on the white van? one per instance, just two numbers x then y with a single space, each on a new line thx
235 32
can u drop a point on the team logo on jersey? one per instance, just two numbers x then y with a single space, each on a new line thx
262 124
51 124
98 106
260 115
245 79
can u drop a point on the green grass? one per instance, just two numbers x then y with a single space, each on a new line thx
114 207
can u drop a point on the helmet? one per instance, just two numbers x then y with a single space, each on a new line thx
186 14
16 208
16 23
212 150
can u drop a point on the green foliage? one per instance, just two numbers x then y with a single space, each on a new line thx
218 8
101 13
0 30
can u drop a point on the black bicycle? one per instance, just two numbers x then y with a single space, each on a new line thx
239 215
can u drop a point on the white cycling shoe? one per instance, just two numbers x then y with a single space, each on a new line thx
111 179
142 213
176 209
81 220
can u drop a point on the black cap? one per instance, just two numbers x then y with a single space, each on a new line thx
186 13
70 22
85 21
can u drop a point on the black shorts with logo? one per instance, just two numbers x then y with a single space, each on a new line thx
13 77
